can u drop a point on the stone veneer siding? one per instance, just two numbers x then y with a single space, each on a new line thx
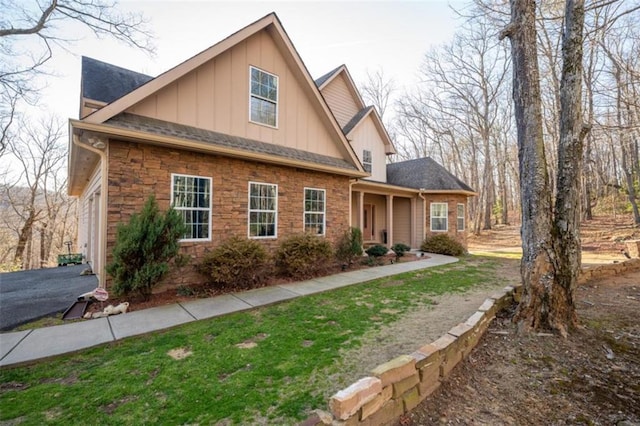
138 170
452 201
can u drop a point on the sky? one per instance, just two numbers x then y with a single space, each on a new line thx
365 35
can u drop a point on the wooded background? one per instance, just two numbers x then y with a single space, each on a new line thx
460 114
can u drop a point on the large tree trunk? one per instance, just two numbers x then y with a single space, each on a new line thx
538 255
566 227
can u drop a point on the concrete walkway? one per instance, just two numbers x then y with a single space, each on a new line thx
24 346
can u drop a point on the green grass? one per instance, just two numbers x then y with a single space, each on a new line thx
499 253
135 381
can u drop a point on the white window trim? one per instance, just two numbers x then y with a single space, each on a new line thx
187 240
463 217
370 162
249 210
324 210
446 217
251 95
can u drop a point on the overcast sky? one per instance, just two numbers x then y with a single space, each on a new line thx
363 35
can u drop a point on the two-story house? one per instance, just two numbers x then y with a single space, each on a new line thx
243 142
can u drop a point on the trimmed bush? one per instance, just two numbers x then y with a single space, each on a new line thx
143 249
442 244
236 263
349 246
400 249
377 251
303 256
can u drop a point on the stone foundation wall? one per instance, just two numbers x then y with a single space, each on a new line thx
396 387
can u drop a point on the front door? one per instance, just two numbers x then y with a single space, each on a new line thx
368 230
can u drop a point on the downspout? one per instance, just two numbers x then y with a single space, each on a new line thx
102 248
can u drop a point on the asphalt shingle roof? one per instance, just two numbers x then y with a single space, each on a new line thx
159 127
320 81
105 82
424 173
355 120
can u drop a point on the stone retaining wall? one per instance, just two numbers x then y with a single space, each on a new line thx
396 387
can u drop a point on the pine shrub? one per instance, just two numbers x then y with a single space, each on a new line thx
236 263
143 249
303 256
349 246
377 251
442 244
400 249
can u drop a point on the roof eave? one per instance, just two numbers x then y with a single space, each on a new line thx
185 144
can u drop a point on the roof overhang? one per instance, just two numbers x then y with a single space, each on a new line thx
386 189
88 133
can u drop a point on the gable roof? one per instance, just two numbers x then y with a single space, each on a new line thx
273 26
425 173
105 82
323 79
364 111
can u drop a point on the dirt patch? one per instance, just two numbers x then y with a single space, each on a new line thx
419 327
592 377
179 353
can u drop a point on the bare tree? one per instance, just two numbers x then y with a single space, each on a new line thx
378 90
457 112
33 195
31 29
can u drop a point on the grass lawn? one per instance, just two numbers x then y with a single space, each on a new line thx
269 365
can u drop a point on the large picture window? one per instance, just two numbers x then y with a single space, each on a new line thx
263 210
263 102
314 211
439 217
461 215
191 197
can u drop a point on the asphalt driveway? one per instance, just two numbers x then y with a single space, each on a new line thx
29 295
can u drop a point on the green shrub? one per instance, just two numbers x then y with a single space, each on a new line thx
143 249
377 251
302 256
349 246
236 263
442 244
400 249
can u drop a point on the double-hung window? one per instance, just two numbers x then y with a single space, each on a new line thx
263 101
460 224
439 217
263 210
314 211
191 197
366 160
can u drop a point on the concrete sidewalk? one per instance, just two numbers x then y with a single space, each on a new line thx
29 345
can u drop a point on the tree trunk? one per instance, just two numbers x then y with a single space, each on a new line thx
537 268
23 238
566 226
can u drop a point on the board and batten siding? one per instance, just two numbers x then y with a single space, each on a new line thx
366 136
340 100
215 96
402 220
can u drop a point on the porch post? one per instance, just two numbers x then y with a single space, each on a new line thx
389 220
361 210
414 223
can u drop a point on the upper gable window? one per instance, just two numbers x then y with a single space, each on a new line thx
366 160
263 102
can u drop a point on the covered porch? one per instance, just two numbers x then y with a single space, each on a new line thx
387 214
